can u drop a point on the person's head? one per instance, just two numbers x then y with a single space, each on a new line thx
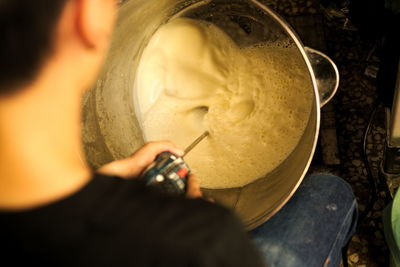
36 32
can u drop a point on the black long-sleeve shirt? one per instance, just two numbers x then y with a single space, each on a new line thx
118 222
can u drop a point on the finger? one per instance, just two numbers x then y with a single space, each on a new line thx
143 157
193 190
210 199
156 148
163 146
148 153
138 161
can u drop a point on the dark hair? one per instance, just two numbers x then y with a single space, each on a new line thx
26 30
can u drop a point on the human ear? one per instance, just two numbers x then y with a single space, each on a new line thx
94 21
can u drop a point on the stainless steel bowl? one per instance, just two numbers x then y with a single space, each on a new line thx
111 130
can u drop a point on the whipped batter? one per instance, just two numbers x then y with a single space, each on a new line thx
254 101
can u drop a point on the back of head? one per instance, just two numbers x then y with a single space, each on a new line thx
26 30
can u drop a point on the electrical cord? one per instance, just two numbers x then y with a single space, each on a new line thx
371 180
370 176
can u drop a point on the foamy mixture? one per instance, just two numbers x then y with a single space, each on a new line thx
254 101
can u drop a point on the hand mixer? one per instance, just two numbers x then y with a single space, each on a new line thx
169 172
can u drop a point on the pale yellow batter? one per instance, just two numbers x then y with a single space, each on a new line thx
255 102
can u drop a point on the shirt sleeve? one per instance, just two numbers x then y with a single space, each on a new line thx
140 227
201 234
230 244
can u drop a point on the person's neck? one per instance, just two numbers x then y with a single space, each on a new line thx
40 139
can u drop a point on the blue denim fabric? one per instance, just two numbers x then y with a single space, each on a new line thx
313 227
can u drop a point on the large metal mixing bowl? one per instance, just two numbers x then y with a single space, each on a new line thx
111 130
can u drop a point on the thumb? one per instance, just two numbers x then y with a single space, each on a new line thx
193 189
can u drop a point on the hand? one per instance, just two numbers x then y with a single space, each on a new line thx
193 187
194 191
139 161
